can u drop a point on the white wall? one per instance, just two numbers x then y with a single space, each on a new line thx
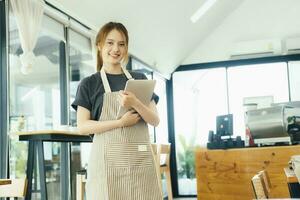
253 20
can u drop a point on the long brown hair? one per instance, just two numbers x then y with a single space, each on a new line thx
101 36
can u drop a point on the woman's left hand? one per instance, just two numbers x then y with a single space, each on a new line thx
128 99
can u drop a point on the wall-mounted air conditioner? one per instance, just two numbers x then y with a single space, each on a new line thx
256 48
292 45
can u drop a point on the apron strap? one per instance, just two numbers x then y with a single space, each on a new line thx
105 81
127 74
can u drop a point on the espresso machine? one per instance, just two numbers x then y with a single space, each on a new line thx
275 124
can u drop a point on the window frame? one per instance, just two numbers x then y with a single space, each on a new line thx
3 90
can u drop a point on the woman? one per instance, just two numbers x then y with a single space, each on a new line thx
121 165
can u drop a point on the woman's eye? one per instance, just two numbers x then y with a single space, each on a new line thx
122 44
110 43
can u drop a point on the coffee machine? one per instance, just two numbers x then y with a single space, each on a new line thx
270 126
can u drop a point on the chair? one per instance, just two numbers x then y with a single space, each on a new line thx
15 188
80 184
261 185
267 181
162 153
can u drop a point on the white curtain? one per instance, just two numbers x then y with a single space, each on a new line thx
28 14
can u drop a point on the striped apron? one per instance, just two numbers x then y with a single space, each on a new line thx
121 164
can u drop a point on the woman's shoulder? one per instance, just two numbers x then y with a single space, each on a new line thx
90 80
137 75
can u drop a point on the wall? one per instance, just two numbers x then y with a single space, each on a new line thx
253 20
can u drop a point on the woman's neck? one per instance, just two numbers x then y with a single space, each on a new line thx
113 69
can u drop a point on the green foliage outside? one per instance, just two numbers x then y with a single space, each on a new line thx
186 157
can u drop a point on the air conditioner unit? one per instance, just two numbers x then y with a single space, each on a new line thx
256 48
292 45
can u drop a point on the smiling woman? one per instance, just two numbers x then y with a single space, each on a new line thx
121 152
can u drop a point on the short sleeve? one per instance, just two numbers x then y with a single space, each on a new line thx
155 97
82 97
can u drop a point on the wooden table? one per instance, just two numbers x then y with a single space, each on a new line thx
5 182
36 139
292 182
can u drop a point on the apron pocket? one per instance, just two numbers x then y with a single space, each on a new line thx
123 155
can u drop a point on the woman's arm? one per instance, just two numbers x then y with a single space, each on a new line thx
88 126
148 113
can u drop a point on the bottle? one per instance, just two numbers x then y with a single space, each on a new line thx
247 137
249 142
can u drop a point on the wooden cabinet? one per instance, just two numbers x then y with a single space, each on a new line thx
226 174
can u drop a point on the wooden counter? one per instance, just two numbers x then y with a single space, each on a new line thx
226 174
290 175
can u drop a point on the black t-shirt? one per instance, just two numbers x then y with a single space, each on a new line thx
90 91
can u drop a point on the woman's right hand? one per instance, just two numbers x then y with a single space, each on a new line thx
130 118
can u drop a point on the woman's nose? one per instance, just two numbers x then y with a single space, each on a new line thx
115 47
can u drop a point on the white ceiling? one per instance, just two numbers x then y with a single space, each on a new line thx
162 35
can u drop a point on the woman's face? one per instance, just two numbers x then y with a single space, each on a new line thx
114 48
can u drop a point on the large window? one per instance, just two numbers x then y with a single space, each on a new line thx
35 101
199 96
81 65
294 74
252 81
161 131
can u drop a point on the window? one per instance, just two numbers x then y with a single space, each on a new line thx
35 100
255 80
199 96
81 65
161 131
294 74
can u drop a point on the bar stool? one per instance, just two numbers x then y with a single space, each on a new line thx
267 181
162 153
15 188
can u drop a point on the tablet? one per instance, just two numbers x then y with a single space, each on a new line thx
143 90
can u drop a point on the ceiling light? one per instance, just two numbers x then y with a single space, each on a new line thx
202 10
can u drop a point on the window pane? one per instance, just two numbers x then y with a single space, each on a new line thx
199 96
255 80
81 65
161 130
294 74
35 104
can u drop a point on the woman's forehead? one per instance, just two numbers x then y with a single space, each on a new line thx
115 35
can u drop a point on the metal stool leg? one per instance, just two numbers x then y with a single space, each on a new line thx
40 149
29 170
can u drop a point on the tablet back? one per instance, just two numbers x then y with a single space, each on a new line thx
143 90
